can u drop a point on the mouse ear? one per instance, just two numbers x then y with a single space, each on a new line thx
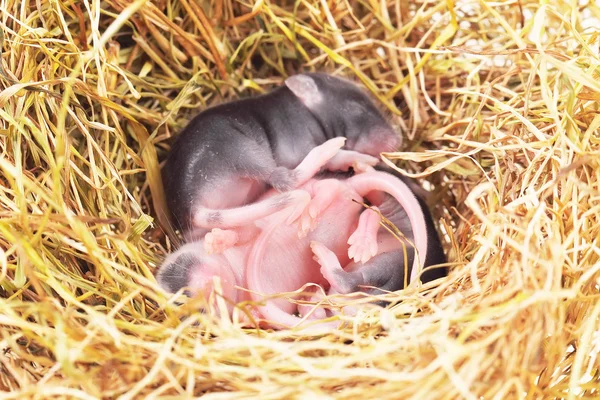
305 88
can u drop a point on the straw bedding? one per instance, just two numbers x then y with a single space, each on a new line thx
498 104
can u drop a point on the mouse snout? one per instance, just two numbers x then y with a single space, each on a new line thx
202 277
191 268
173 274
378 140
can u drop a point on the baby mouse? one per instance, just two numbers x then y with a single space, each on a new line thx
231 154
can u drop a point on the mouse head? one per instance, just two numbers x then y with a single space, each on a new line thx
343 109
189 267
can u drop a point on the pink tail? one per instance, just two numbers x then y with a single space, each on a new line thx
384 182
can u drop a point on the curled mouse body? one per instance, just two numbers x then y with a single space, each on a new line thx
341 247
361 257
231 154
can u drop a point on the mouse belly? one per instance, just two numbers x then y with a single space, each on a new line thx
282 262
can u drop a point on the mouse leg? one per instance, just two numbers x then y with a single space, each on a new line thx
328 155
315 311
385 271
369 182
331 269
324 192
295 200
316 159
363 242
345 159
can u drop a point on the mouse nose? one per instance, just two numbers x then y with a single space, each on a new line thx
378 140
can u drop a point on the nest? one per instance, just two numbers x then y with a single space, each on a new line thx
499 108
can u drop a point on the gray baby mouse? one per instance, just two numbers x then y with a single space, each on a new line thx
230 154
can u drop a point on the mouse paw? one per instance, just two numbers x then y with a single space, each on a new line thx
325 192
344 159
360 167
299 206
330 265
363 242
307 222
329 149
362 248
219 240
317 158
313 312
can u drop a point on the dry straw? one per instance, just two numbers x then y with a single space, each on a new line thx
498 103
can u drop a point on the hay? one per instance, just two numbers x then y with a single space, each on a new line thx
498 102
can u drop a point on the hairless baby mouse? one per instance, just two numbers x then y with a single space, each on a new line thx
230 154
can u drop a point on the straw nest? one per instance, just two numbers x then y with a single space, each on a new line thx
498 103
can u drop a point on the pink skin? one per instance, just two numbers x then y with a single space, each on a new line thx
363 242
313 312
336 222
228 267
334 227
249 220
203 279
339 277
330 266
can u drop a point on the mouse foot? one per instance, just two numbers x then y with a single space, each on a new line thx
299 206
219 240
343 160
325 192
360 167
313 312
340 281
363 242
317 158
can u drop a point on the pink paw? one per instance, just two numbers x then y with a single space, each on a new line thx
325 192
362 247
307 221
330 148
363 242
361 167
330 265
219 240
313 312
300 201
366 160
344 159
